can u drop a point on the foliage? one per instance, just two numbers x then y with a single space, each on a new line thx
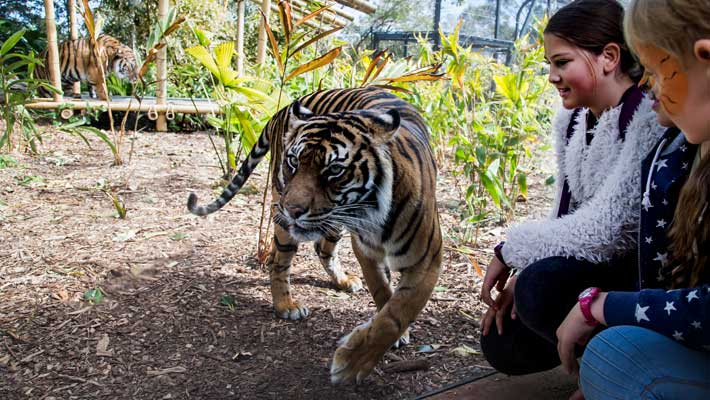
489 115
244 107
16 89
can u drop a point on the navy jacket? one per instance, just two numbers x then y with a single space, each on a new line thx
682 314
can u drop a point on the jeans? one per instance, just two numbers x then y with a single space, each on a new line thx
545 292
629 362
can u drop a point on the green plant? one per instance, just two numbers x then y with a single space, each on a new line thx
16 89
7 161
486 118
243 106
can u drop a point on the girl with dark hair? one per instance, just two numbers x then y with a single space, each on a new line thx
657 344
602 134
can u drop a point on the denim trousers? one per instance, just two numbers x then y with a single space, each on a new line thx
629 362
545 292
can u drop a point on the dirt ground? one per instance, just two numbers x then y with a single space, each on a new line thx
167 327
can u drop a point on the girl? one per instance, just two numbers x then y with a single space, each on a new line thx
658 345
601 137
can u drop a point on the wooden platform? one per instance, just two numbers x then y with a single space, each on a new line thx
127 103
548 385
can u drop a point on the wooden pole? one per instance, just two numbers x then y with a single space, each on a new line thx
161 92
240 36
261 43
74 35
360 5
52 49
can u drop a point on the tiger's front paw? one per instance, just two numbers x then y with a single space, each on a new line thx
290 309
350 283
356 357
402 341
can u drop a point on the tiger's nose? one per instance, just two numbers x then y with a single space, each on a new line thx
296 211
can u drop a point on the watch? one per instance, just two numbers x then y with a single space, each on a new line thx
585 304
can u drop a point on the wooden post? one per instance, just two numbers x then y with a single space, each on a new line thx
240 36
161 92
74 35
52 50
261 43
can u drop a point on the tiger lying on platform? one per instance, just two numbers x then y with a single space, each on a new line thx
76 64
358 159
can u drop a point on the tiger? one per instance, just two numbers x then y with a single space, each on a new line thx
77 64
356 160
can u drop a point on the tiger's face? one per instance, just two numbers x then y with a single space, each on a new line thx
124 65
335 172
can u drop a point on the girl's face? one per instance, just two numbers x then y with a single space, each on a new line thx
572 71
687 105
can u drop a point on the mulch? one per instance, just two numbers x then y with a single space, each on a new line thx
186 312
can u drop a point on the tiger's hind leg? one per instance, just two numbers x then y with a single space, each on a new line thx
327 251
279 264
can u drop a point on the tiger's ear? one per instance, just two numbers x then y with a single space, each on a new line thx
297 114
385 125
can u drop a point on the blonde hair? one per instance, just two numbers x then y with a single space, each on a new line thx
671 25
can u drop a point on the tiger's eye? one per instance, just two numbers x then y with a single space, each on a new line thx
335 169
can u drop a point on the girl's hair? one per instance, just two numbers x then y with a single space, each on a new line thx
675 26
593 24
671 25
690 232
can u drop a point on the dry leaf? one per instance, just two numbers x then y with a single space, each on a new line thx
102 347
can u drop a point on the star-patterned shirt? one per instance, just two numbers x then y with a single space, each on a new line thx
682 314
667 178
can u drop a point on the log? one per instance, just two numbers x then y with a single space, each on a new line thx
406 366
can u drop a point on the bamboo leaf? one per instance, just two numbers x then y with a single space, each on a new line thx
423 77
285 17
174 26
372 65
393 88
201 37
381 67
325 59
11 41
272 40
315 39
89 19
313 14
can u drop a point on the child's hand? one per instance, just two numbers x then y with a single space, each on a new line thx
575 330
503 302
496 275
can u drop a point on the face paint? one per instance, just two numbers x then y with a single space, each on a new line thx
667 78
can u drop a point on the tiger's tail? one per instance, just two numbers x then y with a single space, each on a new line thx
255 156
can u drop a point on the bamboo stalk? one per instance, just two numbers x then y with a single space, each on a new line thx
161 91
127 106
73 35
52 49
360 5
261 43
327 16
240 36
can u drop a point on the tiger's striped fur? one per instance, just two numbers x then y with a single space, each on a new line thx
76 63
357 159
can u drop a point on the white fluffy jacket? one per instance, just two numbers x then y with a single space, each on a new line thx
605 181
